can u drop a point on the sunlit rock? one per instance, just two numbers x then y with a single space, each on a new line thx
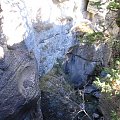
1 52
46 27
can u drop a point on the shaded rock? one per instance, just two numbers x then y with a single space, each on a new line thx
55 107
60 101
81 61
90 89
19 90
94 91
103 74
95 115
45 28
56 103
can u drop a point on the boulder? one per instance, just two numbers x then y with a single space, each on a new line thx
56 103
19 86
81 61
59 100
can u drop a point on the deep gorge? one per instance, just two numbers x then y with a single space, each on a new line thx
51 52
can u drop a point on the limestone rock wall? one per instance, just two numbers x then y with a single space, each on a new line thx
16 23
82 61
102 18
44 25
52 26
19 88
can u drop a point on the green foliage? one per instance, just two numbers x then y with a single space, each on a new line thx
97 4
114 116
93 37
114 5
111 82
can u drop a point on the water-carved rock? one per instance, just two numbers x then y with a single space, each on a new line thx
81 61
19 88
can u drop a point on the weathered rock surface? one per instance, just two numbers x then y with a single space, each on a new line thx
81 61
19 88
59 100
55 96
53 26
19 85
46 28
102 18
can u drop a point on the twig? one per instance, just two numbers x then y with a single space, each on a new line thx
83 103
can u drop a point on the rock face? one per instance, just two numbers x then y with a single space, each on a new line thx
19 85
47 31
55 101
53 25
81 61
102 18
46 28
59 100
19 90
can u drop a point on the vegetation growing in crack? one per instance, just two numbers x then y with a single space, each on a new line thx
108 79
91 38
114 5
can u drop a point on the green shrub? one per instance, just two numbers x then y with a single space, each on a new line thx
93 37
114 116
114 5
110 83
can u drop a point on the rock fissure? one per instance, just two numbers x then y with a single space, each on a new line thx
99 61
37 74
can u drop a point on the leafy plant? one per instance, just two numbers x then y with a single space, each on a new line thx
114 116
109 80
93 37
98 4
114 5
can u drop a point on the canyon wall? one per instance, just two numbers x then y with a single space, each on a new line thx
45 26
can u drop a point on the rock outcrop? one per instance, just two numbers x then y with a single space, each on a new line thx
19 85
102 18
46 28
82 60
19 88
53 30
59 100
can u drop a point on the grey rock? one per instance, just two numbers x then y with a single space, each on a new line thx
103 74
46 28
97 94
95 115
90 89
102 19
56 103
81 61
19 88
55 107
59 100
